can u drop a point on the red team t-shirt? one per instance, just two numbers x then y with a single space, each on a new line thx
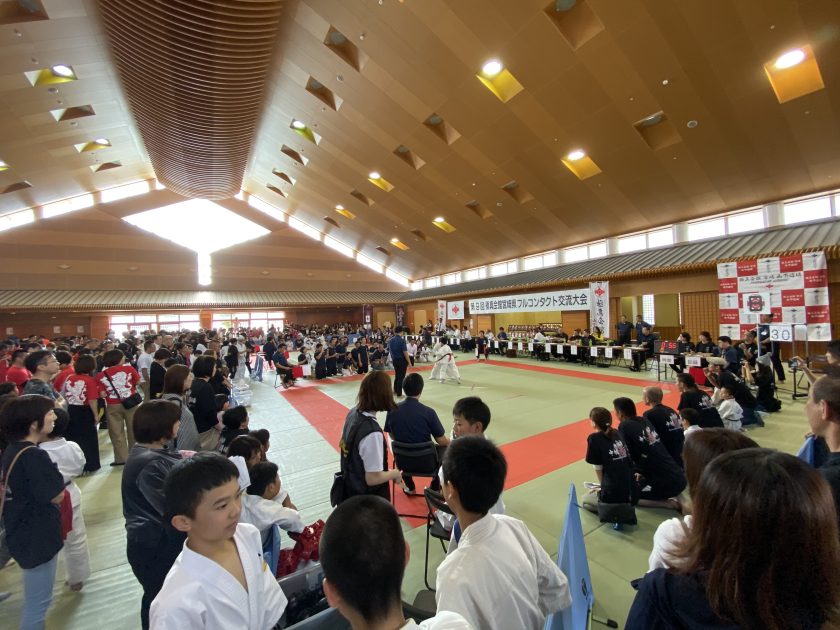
125 379
58 381
80 389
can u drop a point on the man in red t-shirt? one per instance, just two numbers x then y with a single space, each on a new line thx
117 382
4 360
17 373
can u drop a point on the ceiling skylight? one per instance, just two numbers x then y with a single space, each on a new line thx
194 225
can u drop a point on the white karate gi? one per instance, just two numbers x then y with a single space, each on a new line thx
500 577
444 620
444 366
70 460
264 514
730 411
199 593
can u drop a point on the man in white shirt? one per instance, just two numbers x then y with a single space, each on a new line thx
499 577
144 364
363 537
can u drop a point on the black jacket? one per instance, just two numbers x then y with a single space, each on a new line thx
142 493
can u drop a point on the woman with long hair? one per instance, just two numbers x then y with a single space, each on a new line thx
762 552
176 384
610 457
82 395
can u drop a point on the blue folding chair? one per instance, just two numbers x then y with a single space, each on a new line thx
271 549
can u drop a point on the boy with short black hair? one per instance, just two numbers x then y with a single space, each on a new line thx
235 420
267 503
220 579
690 421
499 576
363 537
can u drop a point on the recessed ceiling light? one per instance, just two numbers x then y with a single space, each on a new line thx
132 268
52 90
665 81
309 274
264 273
374 175
102 141
297 124
575 155
491 68
339 207
347 275
3 166
64 267
394 240
63 71
691 124
790 59
438 220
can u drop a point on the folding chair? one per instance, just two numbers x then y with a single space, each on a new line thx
434 503
271 549
417 460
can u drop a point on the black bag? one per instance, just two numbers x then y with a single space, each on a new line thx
338 492
623 513
128 403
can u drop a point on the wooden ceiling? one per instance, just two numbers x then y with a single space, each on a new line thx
366 76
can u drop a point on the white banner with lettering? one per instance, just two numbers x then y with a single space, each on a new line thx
441 311
572 300
455 310
599 309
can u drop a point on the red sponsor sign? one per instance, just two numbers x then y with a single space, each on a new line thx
747 267
790 263
817 315
816 278
777 313
729 316
728 285
793 297
745 328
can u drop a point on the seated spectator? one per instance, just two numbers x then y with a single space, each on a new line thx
220 579
235 421
266 503
281 365
610 457
690 419
70 460
264 438
246 447
823 413
660 478
760 517
730 355
666 421
499 576
412 422
363 536
718 377
692 397
762 377
728 408
698 453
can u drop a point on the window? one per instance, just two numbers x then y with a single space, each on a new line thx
452 278
503 268
808 210
598 250
539 261
433 283
661 238
396 277
57 208
330 242
648 310
710 228
266 208
745 222
369 263
16 219
417 285
124 192
632 243
475 274
576 254
300 226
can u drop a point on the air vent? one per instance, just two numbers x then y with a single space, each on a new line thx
284 176
575 19
72 113
657 131
409 157
274 189
337 42
517 192
480 211
361 197
437 125
323 93
297 157
420 234
105 166
332 222
15 187
383 250
19 11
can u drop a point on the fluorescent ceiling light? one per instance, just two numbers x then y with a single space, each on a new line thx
63 71
577 154
491 68
374 175
297 124
790 59
194 225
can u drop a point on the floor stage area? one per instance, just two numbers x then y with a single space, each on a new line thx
539 416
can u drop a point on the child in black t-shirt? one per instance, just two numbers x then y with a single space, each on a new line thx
235 420
320 362
608 453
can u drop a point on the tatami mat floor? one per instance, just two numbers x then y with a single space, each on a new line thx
528 406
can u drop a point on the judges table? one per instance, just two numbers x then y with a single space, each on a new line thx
692 363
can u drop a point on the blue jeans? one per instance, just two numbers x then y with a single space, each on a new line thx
37 594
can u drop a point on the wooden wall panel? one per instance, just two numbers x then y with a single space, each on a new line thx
700 311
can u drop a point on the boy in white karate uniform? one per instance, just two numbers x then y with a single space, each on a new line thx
220 579
730 411
499 577
444 366
70 460
267 504
363 555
